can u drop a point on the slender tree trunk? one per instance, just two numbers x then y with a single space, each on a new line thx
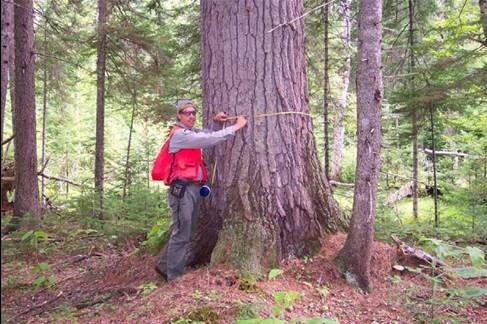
44 115
356 254
483 18
485 175
100 104
338 124
414 112
326 90
7 49
126 182
24 117
270 198
433 156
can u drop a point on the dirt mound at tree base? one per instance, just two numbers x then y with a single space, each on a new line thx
324 268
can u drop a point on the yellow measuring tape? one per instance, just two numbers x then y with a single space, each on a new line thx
259 116
276 114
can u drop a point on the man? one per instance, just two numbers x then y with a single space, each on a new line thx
186 174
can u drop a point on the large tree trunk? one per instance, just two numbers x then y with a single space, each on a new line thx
100 103
7 48
341 109
270 196
356 254
24 116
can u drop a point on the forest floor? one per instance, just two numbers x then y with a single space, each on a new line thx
118 284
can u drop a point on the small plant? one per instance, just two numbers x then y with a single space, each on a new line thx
147 288
204 314
44 279
275 273
284 300
197 295
34 238
158 235
248 311
248 282
323 290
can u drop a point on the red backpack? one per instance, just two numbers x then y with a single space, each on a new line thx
161 170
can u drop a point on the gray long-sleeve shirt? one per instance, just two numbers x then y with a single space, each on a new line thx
194 138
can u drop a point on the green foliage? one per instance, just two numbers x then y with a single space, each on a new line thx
132 216
318 320
158 235
35 239
248 311
477 256
470 272
284 300
248 282
147 288
204 314
273 273
44 278
260 321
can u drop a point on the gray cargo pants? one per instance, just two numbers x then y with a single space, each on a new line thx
185 213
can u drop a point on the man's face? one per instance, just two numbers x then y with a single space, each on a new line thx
187 116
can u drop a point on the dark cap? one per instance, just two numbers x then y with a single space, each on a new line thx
183 103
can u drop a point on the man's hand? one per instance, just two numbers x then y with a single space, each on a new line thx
221 117
241 122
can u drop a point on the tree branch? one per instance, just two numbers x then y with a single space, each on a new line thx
58 179
430 152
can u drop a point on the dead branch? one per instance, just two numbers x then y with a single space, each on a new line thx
344 184
44 166
77 258
430 152
8 139
58 179
97 297
44 303
418 253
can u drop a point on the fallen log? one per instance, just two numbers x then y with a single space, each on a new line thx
403 192
417 253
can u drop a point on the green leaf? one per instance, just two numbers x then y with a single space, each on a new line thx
470 272
41 267
41 235
477 256
277 310
26 236
274 273
52 280
472 292
39 282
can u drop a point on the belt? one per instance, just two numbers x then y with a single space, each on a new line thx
190 182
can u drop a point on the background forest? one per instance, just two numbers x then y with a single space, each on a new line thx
432 189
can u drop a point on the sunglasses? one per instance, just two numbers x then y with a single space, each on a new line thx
188 113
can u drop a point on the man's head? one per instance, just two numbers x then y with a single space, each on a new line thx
186 111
